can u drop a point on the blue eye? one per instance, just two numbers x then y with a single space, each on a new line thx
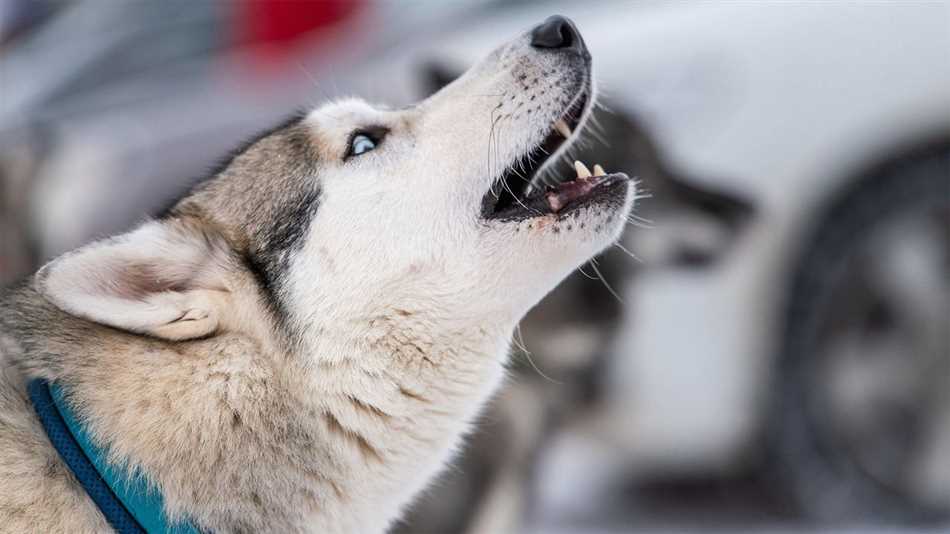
360 144
365 139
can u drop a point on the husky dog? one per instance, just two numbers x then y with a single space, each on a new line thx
299 343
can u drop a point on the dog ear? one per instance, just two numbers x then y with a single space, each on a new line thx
165 279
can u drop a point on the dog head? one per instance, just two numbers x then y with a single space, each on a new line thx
350 208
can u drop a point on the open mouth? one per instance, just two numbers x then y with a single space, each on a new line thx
519 194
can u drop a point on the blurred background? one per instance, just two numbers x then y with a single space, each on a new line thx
768 349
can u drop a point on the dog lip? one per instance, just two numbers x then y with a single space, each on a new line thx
502 195
568 192
573 194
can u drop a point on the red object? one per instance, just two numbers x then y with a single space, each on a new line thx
275 28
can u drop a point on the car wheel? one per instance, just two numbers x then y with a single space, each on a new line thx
863 405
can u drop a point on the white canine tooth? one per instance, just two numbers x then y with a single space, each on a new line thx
562 128
582 170
598 170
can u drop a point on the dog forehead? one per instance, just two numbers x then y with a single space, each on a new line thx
332 125
341 116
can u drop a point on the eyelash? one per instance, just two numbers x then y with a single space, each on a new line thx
376 134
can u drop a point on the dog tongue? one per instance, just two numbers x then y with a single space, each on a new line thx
570 191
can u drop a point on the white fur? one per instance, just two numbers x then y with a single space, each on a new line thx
404 296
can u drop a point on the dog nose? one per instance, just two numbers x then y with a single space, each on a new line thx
557 32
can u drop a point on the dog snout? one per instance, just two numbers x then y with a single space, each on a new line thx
558 32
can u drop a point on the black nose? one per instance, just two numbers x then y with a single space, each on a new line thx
557 32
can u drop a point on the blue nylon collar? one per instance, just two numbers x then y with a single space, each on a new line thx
128 503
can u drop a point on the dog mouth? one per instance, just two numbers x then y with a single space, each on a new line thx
518 193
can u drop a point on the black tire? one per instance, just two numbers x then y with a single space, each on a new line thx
833 471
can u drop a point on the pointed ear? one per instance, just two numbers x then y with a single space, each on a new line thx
164 279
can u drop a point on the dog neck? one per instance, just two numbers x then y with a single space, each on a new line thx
334 437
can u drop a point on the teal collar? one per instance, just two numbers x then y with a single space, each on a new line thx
140 500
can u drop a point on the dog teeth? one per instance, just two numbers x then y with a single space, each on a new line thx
598 170
562 128
582 170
